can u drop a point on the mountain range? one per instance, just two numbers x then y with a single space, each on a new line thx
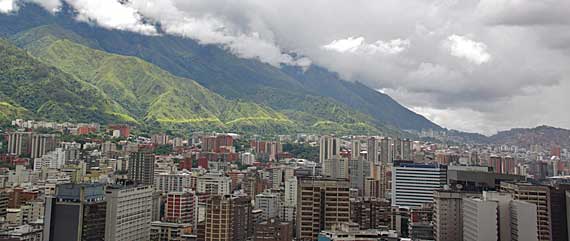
97 74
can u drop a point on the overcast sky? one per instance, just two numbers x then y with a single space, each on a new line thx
470 65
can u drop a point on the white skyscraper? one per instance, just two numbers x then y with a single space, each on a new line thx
496 216
413 184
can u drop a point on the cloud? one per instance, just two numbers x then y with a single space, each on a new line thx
212 29
470 64
463 47
358 45
7 6
111 14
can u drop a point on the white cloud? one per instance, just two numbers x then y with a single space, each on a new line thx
463 47
50 5
7 6
111 14
210 29
359 45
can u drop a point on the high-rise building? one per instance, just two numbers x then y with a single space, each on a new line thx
371 213
215 183
336 167
129 212
181 207
273 230
479 220
329 148
77 212
291 192
321 203
269 203
141 167
19 143
227 218
165 231
538 195
413 184
559 201
502 164
386 150
359 170
356 148
160 139
448 214
496 216
174 182
42 144
403 148
372 150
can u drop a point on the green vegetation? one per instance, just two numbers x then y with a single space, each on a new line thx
163 150
149 94
304 151
30 88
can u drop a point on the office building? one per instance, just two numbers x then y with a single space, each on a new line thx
371 213
502 164
42 144
175 182
479 220
386 150
538 195
214 183
165 231
181 207
269 204
356 149
351 232
129 212
448 214
273 230
372 150
19 143
141 167
329 147
321 203
413 184
336 167
559 201
496 216
77 212
228 218
359 170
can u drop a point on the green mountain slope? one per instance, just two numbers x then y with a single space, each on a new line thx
145 91
151 94
29 87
